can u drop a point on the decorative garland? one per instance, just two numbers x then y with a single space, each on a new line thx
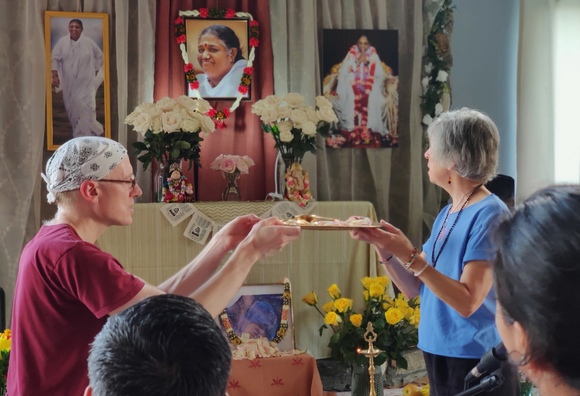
280 333
438 62
220 116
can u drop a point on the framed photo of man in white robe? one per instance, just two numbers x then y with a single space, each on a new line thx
77 76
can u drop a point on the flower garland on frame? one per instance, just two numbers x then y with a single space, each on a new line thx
220 116
280 332
436 96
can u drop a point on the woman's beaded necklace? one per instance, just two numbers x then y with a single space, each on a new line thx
434 257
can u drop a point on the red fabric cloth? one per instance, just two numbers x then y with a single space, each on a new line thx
243 134
64 290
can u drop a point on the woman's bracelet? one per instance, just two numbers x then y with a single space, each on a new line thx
418 273
410 262
384 261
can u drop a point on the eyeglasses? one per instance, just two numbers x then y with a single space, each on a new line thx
132 182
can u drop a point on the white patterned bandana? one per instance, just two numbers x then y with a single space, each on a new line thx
80 159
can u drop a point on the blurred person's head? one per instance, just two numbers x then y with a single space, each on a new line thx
75 29
363 43
165 345
537 277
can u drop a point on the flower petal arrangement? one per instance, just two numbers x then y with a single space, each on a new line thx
293 124
394 320
219 117
172 129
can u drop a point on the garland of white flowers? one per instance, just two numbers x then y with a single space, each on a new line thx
436 88
218 116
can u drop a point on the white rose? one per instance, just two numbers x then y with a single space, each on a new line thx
272 100
166 104
248 161
427 120
269 115
145 107
284 126
294 99
186 102
156 126
203 106
190 124
215 165
299 116
259 106
241 164
425 83
312 115
142 123
131 117
428 68
442 76
438 108
171 121
321 101
284 111
207 124
286 136
308 128
327 114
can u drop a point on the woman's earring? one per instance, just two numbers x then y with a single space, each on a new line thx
449 179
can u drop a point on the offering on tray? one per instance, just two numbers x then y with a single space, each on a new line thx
320 222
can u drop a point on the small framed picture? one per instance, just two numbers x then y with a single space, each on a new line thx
260 311
219 50
77 76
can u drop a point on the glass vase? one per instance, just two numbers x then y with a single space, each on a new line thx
159 176
232 191
361 379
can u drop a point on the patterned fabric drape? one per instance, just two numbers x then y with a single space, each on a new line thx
22 106
242 135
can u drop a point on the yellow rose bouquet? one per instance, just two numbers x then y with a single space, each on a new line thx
394 320
5 345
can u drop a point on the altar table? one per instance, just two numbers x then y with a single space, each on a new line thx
154 250
295 375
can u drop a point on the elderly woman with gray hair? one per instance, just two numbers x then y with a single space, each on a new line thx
453 272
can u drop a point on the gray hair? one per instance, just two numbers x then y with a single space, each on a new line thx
467 139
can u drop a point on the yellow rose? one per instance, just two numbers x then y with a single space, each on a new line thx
383 280
393 316
332 319
329 307
401 304
356 319
376 289
387 302
343 304
334 291
310 299
409 313
366 281
6 340
366 295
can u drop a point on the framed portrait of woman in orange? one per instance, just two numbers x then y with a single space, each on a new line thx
77 76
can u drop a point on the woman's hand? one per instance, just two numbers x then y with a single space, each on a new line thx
270 235
387 239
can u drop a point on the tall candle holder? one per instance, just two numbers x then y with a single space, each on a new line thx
371 353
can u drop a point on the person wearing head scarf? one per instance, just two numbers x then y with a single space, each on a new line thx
453 271
67 287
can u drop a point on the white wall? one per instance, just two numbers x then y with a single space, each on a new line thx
484 73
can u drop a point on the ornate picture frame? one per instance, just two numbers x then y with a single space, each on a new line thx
77 101
238 33
260 310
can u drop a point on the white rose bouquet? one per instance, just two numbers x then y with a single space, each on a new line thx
172 129
293 124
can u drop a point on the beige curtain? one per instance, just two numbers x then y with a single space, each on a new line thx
22 106
392 179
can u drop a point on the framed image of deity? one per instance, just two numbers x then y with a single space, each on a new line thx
218 50
77 76
360 70
260 311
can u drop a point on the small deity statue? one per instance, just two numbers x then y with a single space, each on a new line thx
177 187
298 185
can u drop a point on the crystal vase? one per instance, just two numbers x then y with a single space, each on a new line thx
159 176
232 191
360 382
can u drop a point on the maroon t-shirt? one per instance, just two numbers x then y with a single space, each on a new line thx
64 290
